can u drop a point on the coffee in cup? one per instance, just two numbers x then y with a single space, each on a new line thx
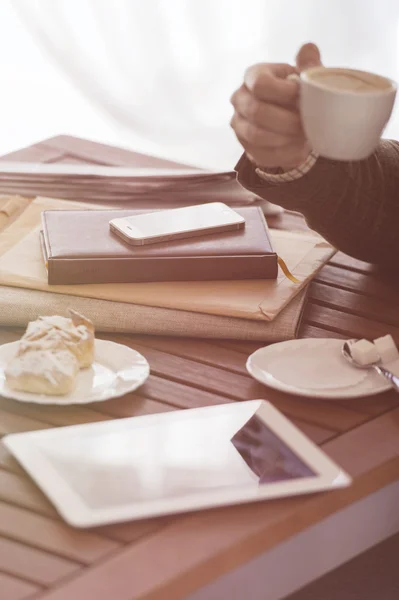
344 111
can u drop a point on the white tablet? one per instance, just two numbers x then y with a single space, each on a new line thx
173 462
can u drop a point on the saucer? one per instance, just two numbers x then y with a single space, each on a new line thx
315 368
116 370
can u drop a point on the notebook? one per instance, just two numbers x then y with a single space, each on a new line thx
79 248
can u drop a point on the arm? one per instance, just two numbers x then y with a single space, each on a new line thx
355 206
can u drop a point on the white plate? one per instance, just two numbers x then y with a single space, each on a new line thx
116 371
315 368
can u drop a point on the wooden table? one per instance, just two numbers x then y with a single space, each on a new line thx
169 558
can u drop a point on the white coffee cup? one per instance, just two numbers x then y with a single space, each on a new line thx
344 111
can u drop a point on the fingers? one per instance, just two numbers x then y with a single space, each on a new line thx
255 135
263 115
270 84
266 120
308 56
269 149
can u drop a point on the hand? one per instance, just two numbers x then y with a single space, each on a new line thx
266 120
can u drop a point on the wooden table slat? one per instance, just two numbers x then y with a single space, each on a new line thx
13 423
351 326
313 331
246 348
376 309
50 415
348 262
53 536
179 394
15 589
205 377
34 565
7 461
316 433
198 350
131 405
373 405
22 492
134 530
373 285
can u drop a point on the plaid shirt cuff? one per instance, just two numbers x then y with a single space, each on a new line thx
288 176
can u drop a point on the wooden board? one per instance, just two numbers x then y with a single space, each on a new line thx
41 557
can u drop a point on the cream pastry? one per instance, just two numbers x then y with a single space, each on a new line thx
55 332
50 372
50 354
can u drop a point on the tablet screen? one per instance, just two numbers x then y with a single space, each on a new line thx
186 455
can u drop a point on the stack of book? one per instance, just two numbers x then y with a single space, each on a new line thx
213 286
135 186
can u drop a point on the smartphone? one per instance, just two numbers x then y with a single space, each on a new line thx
177 223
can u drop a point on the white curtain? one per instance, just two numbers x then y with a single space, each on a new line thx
162 71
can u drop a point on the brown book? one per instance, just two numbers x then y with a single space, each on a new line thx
79 247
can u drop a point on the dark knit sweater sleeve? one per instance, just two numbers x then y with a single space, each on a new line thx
355 206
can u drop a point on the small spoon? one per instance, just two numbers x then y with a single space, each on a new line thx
347 354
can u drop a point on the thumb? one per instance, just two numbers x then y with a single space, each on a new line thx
308 56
